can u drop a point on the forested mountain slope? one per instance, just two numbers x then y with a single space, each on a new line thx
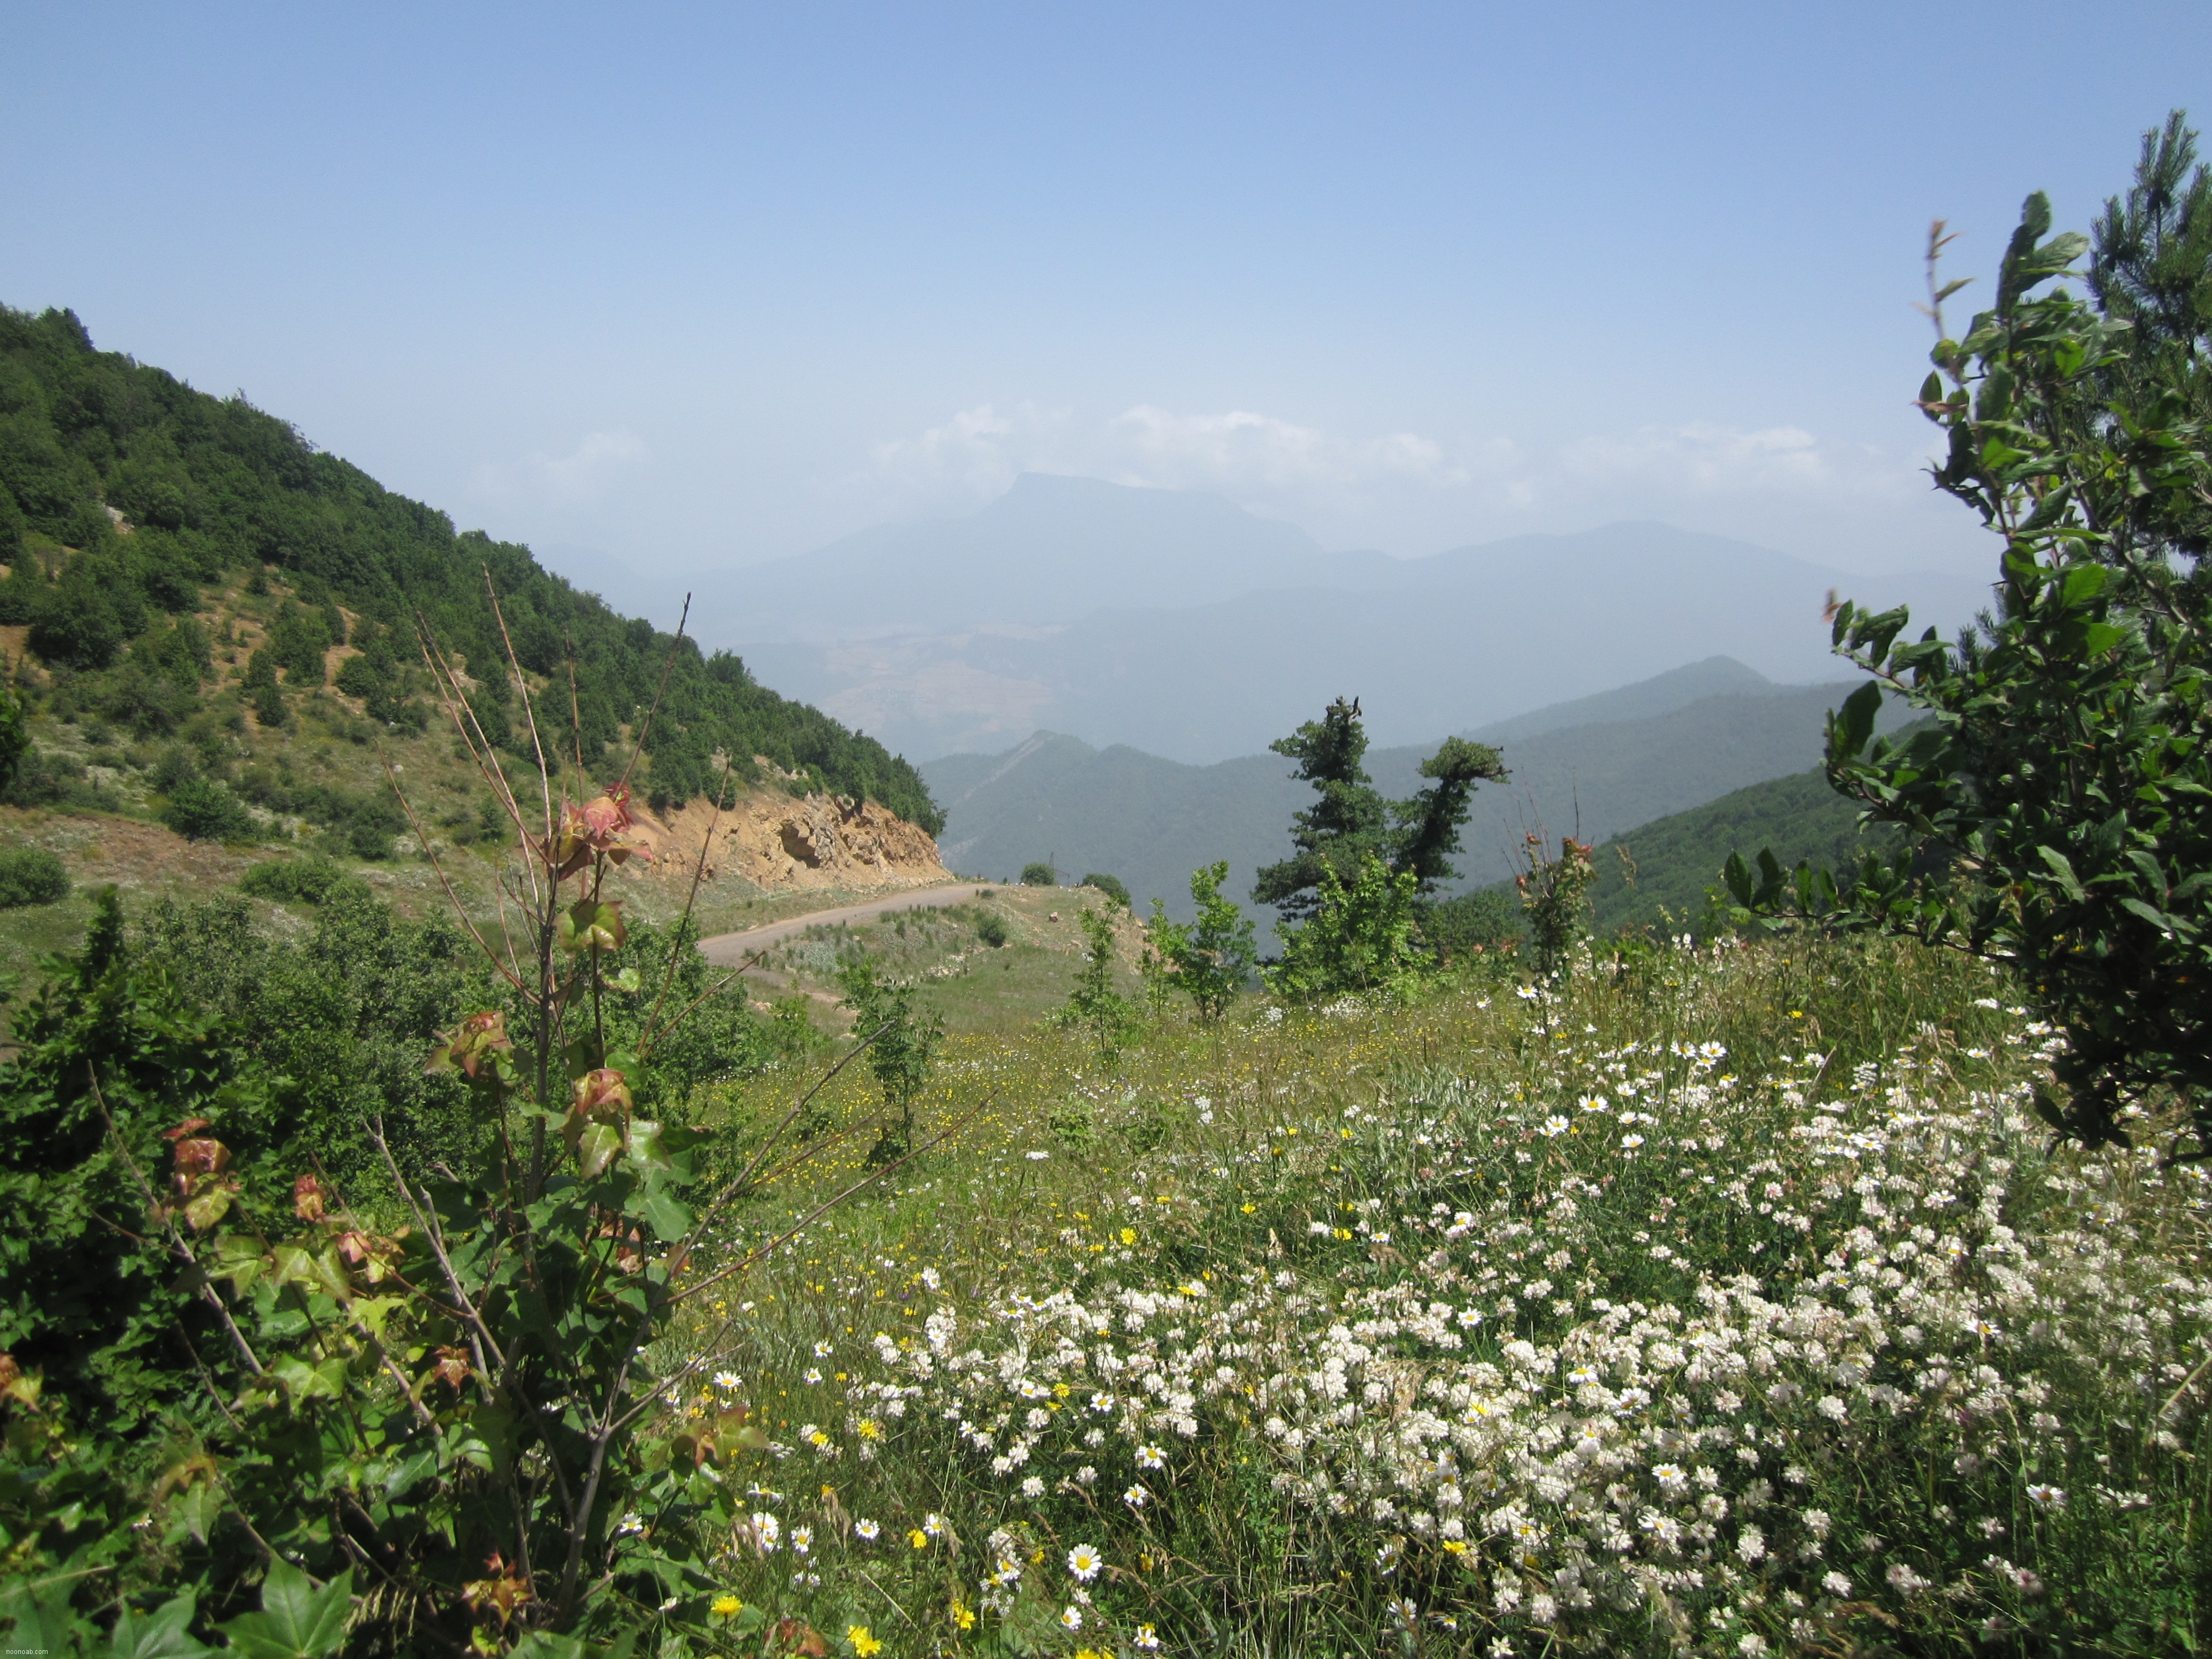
1591 767
1662 871
125 490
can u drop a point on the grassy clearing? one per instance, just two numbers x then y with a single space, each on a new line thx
976 986
1735 1304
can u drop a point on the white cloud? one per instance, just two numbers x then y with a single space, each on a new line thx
1241 451
976 454
576 479
1414 490
1704 459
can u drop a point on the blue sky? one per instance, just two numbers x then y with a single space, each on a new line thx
677 287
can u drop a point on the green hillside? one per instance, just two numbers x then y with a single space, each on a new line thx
1595 769
127 492
1671 861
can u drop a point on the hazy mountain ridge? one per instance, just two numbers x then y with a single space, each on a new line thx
1150 821
1219 631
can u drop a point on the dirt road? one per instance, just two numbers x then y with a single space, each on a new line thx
728 949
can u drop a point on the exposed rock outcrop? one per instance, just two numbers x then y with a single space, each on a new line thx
781 841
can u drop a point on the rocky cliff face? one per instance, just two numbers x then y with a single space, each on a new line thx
779 842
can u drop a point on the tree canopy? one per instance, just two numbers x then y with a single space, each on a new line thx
212 484
2057 801
1352 821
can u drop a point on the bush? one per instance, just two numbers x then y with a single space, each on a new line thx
1040 875
293 881
31 875
1360 939
202 808
992 930
1484 920
42 780
150 704
374 823
1208 960
1112 886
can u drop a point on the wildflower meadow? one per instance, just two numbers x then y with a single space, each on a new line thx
1733 1299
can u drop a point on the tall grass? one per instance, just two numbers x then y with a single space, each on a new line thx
1729 1301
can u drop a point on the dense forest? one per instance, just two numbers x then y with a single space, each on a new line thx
209 486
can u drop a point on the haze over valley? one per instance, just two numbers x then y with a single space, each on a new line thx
1177 623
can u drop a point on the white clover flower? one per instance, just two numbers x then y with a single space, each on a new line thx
1836 1584
1903 1580
1085 1563
1033 1488
1750 1545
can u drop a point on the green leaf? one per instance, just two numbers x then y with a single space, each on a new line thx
644 1145
2156 918
2063 868
298 1619
1737 874
595 925
670 1220
542 1644
601 1144
2083 583
197 1508
164 1633
1853 723
44 1622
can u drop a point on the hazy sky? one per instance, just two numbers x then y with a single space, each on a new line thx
695 285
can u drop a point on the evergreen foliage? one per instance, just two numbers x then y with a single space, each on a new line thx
31 875
1352 821
210 485
1351 891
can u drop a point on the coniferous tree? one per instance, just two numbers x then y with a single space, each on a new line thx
1350 817
1352 821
